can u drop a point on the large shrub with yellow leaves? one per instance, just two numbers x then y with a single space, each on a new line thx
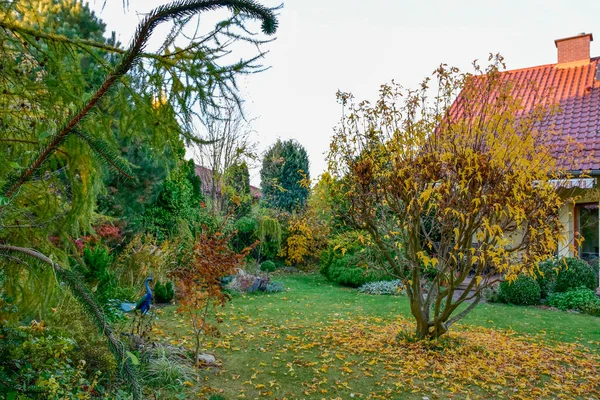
461 183
306 236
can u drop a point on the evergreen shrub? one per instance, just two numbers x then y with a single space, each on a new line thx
576 273
268 266
580 299
524 291
164 293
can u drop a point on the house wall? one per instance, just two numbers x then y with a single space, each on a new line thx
567 218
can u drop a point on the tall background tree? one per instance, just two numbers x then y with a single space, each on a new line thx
229 143
285 175
237 192
447 192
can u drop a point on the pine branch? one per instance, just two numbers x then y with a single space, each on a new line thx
54 37
15 140
93 310
109 156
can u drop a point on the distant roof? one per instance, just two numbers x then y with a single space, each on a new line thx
576 90
255 192
206 179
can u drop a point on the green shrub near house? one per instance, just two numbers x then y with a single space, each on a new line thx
546 277
591 309
524 291
563 274
581 299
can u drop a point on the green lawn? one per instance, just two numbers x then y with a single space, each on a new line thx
317 340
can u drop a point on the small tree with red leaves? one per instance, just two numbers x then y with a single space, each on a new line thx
199 282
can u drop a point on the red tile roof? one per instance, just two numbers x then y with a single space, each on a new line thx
255 192
574 88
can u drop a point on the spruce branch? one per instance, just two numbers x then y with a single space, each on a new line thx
80 43
108 155
92 309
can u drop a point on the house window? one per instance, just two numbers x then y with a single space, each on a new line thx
588 229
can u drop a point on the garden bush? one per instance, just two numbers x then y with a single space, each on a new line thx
96 271
524 291
580 299
267 266
491 294
246 232
352 271
563 274
144 256
591 309
349 261
546 277
45 364
576 273
164 293
383 288
91 345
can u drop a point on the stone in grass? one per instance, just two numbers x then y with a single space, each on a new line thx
259 285
207 359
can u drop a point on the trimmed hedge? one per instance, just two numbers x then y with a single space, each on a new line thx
348 261
268 266
351 271
525 291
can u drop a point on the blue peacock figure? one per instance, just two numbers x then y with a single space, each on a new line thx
144 303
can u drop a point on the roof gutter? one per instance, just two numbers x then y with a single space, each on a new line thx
589 172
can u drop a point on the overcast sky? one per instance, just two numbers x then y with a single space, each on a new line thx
351 45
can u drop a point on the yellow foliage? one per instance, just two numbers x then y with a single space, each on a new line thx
364 355
307 234
465 186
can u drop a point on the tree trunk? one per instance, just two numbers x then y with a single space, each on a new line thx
439 328
429 329
421 316
426 328
422 331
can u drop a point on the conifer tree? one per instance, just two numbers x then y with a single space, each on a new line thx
237 185
284 176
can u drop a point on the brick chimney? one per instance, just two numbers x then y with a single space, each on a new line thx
574 48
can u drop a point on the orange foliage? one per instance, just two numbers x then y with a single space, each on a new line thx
199 281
